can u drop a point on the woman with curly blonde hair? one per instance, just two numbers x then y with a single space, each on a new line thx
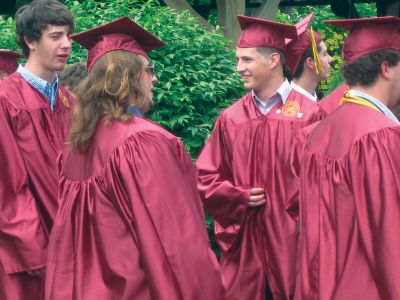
130 223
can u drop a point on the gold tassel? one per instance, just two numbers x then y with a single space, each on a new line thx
317 62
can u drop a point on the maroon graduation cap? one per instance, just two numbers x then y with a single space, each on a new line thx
8 60
120 34
296 48
264 33
368 35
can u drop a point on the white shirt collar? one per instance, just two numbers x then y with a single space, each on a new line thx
382 107
299 89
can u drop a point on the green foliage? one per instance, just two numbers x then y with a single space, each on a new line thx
7 33
196 69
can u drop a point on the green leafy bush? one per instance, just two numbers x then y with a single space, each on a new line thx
7 33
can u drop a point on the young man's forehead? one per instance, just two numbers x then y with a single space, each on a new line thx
246 51
51 28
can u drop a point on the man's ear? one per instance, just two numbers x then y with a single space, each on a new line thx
30 44
309 63
386 70
275 59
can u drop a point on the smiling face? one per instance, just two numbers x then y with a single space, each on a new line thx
50 53
253 67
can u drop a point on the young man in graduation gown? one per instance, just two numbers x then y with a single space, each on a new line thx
241 170
34 114
130 223
349 175
307 59
8 62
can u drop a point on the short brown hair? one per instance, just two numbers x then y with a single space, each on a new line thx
365 70
33 18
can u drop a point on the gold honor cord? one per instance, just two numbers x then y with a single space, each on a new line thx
318 65
357 100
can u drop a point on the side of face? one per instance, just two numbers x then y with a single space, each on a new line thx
148 79
326 61
52 50
253 67
394 77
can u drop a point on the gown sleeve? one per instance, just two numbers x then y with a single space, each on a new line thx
223 200
293 176
23 236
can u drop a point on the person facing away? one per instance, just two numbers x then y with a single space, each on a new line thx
34 122
8 62
241 169
71 76
130 223
349 176
307 59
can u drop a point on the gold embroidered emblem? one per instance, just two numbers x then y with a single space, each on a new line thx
291 108
64 99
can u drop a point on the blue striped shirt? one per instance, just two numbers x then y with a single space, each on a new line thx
49 90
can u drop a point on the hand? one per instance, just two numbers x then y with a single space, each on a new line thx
257 197
38 272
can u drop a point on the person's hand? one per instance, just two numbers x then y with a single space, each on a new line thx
38 272
257 197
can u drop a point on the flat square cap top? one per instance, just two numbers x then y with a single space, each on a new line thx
120 34
264 33
368 35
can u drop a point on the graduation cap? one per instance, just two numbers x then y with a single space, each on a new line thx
308 38
120 34
264 33
8 60
368 35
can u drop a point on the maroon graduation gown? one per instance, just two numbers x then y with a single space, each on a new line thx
31 136
246 150
349 171
331 101
130 223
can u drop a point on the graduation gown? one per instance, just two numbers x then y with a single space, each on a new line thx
330 102
130 223
247 149
349 174
31 136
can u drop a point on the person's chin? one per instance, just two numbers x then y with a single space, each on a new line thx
247 85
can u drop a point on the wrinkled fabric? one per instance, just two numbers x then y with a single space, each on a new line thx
130 223
31 136
331 101
247 149
349 177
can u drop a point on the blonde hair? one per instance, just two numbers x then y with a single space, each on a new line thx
111 87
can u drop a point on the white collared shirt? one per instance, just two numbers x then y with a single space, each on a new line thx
382 107
299 89
280 97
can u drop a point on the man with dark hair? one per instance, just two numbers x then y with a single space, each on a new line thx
308 59
8 62
348 171
34 121
241 170
73 75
